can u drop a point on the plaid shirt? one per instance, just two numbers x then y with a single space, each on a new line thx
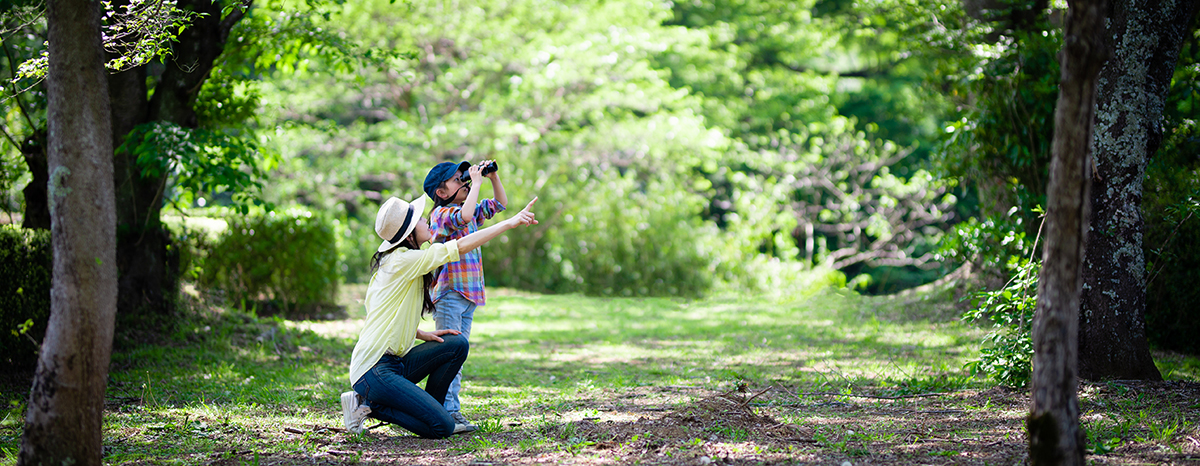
465 275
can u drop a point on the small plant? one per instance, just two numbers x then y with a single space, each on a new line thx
490 425
1165 431
477 444
736 434
1008 353
575 444
1103 446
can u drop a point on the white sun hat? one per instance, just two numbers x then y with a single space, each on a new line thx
396 220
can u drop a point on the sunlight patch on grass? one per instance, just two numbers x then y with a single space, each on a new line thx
542 367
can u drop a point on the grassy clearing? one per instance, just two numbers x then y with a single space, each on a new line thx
826 377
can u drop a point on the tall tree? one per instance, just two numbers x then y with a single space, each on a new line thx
181 124
66 404
143 243
1053 423
1148 35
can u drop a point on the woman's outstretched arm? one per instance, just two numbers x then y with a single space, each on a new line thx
477 239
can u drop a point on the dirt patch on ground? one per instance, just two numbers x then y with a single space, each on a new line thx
782 425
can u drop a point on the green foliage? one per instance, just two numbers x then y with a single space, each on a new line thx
289 258
892 59
1171 205
843 186
753 61
303 38
1007 354
195 238
135 33
606 114
25 278
22 104
568 104
653 244
988 244
781 77
1001 146
993 246
227 101
140 31
200 160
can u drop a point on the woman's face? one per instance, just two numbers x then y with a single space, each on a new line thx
422 231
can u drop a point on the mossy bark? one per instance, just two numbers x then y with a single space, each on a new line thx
1146 38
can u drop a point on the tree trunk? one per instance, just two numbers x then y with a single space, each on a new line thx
147 263
144 256
66 403
1132 91
37 211
142 251
1053 423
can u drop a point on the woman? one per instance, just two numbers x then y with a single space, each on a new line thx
386 365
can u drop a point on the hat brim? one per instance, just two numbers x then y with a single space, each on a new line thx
418 207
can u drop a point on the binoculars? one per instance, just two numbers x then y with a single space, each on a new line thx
487 170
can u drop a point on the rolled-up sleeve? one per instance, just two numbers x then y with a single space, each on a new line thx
415 263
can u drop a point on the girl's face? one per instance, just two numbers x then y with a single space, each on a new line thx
453 189
421 231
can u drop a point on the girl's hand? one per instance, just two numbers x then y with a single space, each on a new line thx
493 175
476 172
435 335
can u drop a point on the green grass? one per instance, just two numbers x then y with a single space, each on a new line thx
571 376
569 343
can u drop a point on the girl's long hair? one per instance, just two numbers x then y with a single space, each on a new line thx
409 242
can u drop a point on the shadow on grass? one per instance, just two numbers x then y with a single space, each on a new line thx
613 381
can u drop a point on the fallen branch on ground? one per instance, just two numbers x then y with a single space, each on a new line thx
879 397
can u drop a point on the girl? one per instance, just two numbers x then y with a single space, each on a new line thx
386 366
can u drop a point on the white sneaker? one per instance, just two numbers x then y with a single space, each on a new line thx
353 412
464 428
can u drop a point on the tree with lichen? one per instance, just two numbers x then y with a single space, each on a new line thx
1146 39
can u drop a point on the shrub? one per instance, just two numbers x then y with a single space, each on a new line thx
999 248
287 258
1172 242
1007 353
26 269
651 244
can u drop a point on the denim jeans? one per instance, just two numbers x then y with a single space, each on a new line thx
455 312
391 390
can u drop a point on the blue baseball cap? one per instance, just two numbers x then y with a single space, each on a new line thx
439 174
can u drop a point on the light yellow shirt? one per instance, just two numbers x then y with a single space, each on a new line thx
393 302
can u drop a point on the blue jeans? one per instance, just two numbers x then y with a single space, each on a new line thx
391 390
455 312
